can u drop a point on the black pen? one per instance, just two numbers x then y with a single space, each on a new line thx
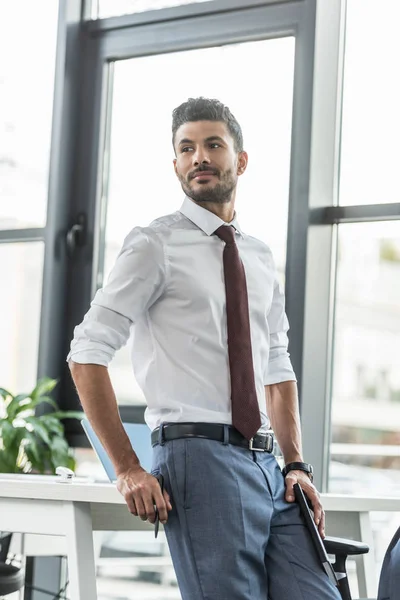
160 480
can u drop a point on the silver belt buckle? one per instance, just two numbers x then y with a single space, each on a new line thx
255 449
269 448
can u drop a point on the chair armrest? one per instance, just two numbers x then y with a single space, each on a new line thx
342 546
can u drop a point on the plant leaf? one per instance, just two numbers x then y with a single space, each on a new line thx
7 463
29 406
15 406
5 394
11 436
40 429
52 423
33 450
7 433
59 451
40 465
71 463
43 386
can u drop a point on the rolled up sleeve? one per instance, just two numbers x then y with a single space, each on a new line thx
135 283
279 367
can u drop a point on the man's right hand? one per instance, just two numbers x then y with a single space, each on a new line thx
141 491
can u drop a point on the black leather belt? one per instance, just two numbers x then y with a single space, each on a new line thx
212 431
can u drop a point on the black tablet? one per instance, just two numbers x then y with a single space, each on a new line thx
315 536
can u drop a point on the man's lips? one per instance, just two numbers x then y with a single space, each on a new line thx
201 174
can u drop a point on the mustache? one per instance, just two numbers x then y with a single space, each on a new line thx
200 169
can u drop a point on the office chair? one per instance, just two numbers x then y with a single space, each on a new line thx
11 578
341 548
389 579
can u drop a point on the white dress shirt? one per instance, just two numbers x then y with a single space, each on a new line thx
167 291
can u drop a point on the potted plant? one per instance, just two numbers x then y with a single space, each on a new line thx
30 443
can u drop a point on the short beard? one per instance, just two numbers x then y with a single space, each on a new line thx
219 194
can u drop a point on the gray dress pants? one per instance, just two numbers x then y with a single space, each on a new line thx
231 534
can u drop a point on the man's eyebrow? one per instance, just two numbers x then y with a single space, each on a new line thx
208 139
185 141
215 137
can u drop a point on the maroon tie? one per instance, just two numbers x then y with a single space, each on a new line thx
245 409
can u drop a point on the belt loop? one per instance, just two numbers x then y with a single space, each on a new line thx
226 435
161 440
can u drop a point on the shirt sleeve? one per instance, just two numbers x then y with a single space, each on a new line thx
279 366
135 282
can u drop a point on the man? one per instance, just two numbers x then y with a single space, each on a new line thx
210 353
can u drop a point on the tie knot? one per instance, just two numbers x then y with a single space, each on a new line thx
226 233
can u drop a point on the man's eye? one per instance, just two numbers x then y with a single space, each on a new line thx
215 144
186 149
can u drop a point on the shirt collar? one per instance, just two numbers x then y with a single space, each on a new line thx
205 219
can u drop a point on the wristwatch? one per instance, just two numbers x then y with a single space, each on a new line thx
299 466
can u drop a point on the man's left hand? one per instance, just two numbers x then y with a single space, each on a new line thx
312 494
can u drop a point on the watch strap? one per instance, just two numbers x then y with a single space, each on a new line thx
298 466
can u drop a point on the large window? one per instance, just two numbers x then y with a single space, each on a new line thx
26 98
364 455
20 302
142 182
370 151
27 70
366 384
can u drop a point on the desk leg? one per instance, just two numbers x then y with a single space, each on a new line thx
81 566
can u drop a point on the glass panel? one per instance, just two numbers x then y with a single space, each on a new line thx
365 450
262 198
20 305
370 152
116 8
28 32
365 442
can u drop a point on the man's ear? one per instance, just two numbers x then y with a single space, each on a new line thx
174 161
242 162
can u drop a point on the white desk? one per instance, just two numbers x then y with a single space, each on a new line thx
42 505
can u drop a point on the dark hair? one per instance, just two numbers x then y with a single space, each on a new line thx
206 109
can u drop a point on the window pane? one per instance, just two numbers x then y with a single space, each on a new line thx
365 442
370 152
20 303
28 33
115 8
365 449
142 182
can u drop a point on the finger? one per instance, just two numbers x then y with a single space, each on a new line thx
147 497
289 494
167 500
131 503
140 507
161 503
319 515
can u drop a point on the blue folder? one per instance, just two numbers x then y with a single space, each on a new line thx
139 435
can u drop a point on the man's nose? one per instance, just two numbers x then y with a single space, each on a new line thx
201 157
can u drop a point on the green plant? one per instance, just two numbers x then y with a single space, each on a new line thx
29 442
